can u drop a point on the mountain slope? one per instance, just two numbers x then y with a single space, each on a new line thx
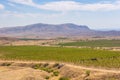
52 31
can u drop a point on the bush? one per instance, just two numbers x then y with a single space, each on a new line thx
6 64
49 70
37 66
56 65
47 77
87 73
55 73
64 78
45 65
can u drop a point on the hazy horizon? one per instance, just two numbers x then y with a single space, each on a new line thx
99 29
98 15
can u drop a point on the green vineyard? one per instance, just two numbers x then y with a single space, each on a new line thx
83 56
94 43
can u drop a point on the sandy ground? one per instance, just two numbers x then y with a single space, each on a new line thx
19 73
22 70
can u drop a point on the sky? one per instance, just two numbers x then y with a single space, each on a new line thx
97 14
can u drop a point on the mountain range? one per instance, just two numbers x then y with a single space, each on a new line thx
41 30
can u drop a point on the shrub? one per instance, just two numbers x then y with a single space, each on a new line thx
45 65
6 64
49 70
87 73
37 66
56 65
55 73
60 66
64 78
47 77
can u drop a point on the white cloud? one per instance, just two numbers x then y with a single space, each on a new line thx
61 6
25 2
1 6
31 15
71 5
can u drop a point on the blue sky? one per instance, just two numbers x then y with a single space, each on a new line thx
97 14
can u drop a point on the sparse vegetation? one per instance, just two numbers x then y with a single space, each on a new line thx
87 73
58 66
43 67
55 73
37 66
49 70
64 78
47 77
6 64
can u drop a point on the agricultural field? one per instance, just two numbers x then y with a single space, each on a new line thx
78 56
94 43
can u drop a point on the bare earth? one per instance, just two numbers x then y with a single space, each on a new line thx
22 70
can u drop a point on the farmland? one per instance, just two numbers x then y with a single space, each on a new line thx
94 43
79 56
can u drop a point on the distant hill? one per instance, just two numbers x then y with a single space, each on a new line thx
52 31
8 38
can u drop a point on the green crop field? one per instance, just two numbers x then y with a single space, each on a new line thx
94 43
83 56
